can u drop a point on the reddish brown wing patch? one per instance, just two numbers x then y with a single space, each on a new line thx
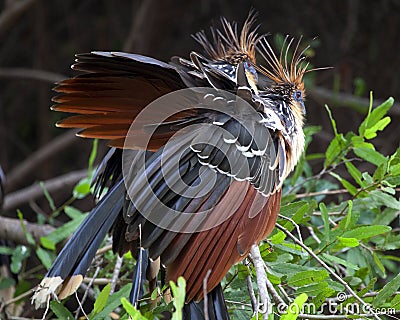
222 246
107 106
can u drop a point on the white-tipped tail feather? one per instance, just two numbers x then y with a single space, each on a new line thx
49 287
56 288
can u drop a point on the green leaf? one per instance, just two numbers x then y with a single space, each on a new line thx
20 254
277 238
333 122
288 209
348 242
370 155
312 289
60 311
178 291
395 303
154 294
337 260
61 233
283 268
47 243
386 217
82 189
72 212
44 257
92 157
307 277
387 291
379 264
273 279
395 169
379 126
113 302
334 150
375 115
384 199
355 173
349 187
6 283
348 217
48 196
294 309
6 250
365 232
131 310
101 300
28 236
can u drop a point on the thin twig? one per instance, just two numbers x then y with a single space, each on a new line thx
329 269
20 297
294 224
321 193
31 74
116 272
85 295
313 235
103 281
275 295
238 303
103 250
205 280
80 306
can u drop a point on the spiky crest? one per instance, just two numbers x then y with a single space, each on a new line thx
226 44
279 69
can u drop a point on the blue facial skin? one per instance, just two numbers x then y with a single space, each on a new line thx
298 96
250 69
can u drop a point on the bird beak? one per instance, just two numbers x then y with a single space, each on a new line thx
303 107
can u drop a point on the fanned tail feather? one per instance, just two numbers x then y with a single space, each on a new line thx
216 307
70 266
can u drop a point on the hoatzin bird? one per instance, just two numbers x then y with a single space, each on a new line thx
238 132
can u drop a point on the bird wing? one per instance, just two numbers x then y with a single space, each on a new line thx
115 87
215 143
233 156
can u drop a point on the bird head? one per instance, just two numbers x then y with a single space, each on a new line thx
286 76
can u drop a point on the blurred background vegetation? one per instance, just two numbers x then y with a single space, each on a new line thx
38 40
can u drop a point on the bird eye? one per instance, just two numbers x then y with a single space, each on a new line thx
297 95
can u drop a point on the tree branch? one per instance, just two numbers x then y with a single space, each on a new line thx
13 12
37 158
31 74
140 24
66 181
10 229
341 99
261 275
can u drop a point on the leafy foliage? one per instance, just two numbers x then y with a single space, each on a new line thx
335 247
